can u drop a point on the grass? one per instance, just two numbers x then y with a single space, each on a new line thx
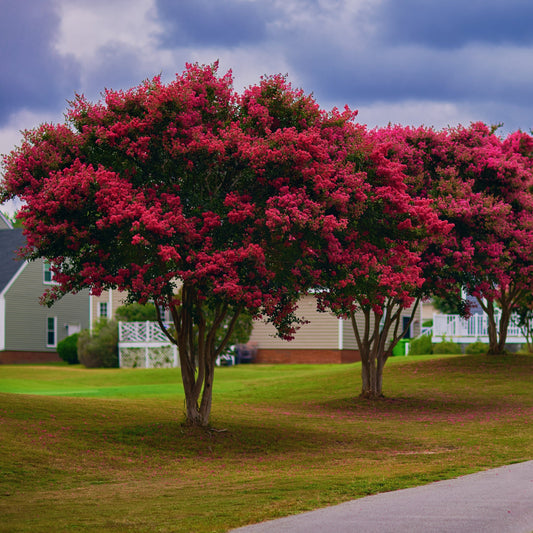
105 450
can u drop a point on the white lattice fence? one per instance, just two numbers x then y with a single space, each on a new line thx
144 345
142 332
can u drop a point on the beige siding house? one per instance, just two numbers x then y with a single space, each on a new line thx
324 339
105 305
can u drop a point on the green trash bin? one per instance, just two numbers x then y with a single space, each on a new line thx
402 348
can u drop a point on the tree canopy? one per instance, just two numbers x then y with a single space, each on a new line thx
193 196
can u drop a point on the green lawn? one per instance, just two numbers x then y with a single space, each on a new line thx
105 450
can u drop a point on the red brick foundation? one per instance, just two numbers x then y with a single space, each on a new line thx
307 356
11 357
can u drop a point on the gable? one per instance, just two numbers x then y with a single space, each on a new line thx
10 241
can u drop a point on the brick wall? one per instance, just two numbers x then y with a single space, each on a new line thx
10 357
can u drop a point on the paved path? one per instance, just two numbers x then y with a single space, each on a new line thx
494 501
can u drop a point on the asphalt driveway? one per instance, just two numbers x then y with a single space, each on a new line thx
494 501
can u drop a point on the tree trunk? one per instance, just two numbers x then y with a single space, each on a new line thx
375 344
197 351
505 319
492 328
197 414
498 333
371 381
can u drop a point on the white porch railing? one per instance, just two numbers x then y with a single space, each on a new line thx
457 329
144 345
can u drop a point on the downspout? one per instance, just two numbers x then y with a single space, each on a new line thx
341 334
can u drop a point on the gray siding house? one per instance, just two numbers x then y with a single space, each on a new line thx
29 331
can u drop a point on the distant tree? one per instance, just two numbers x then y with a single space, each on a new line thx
230 197
136 312
450 304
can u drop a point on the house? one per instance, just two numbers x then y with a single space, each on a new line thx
29 332
324 339
105 305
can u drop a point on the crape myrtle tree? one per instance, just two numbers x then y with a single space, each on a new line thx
207 202
502 267
482 185
386 258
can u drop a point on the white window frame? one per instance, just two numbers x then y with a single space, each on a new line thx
101 306
53 331
48 273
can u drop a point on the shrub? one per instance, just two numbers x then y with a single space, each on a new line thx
427 323
67 349
136 312
421 345
99 349
477 348
446 347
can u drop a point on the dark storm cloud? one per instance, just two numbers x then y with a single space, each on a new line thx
33 76
455 23
208 23
420 50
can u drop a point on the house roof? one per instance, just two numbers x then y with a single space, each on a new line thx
5 223
10 241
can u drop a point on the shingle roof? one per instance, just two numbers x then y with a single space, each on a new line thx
10 241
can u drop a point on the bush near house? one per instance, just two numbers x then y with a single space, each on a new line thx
446 347
67 349
477 348
99 349
421 345
136 312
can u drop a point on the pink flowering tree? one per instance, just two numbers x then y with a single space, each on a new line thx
385 260
205 201
501 230
482 185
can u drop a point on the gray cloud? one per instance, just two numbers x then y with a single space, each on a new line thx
207 23
452 24
34 76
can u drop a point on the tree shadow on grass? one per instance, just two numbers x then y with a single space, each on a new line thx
513 363
437 407
239 440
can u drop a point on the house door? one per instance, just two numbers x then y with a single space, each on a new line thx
405 324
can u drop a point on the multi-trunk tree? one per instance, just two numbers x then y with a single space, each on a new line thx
188 194
482 184
386 261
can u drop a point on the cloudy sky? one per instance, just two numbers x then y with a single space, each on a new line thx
429 62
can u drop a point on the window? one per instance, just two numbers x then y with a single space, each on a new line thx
48 275
51 332
102 310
